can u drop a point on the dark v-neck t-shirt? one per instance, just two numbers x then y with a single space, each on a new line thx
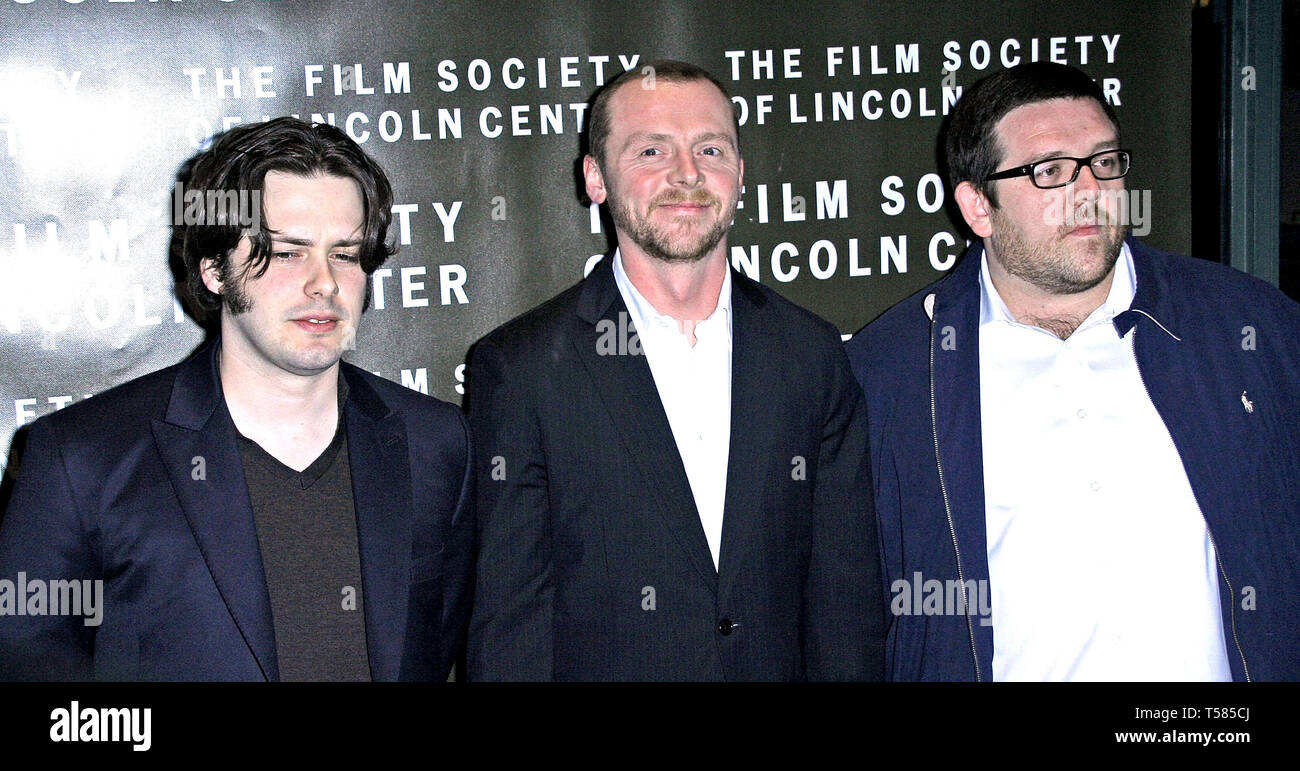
307 531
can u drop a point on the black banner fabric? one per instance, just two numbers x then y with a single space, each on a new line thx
476 111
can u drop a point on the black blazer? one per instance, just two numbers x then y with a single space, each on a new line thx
593 564
143 487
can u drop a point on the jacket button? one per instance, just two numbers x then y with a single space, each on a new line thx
725 626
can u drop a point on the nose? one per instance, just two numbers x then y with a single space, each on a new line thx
685 170
320 278
1086 180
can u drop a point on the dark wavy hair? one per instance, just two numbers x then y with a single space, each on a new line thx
972 148
668 70
238 161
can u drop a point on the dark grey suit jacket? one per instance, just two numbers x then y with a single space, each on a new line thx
593 564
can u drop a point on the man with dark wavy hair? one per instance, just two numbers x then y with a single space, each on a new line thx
253 512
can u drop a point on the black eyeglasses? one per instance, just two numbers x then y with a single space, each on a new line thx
1059 172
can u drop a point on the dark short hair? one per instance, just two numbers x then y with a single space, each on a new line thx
668 70
239 159
972 148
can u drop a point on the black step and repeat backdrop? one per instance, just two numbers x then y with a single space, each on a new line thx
476 109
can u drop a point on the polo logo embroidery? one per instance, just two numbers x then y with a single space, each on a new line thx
1247 403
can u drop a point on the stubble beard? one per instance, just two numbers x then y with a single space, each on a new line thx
662 245
1056 266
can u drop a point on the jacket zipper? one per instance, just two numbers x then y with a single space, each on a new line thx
947 508
1232 594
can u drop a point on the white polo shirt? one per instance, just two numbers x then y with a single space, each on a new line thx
1100 562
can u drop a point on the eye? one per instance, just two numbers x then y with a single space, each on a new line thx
714 151
650 151
348 257
1048 170
283 256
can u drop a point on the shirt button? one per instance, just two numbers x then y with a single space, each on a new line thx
1095 486
1082 413
725 626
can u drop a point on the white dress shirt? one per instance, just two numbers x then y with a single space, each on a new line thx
1100 563
694 384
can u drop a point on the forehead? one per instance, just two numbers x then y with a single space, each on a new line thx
316 198
669 106
1070 126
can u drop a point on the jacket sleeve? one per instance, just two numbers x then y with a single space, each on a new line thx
511 635
43 538
844 619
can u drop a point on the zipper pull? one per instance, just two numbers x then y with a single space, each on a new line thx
1247 403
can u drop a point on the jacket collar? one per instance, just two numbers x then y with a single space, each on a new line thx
960 289
600 291
196 391
1152 298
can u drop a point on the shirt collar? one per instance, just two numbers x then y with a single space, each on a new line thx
644 315
1122 289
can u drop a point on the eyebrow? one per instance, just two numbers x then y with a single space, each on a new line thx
347 242
1108 144
710 136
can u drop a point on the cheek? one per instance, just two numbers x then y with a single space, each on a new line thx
730 182
352 285
638 187
1114 199
1043 212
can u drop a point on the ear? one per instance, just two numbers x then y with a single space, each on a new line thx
208 271
594 179
975 209
740 181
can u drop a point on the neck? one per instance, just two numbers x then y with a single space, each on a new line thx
1059 314
293 417
687 291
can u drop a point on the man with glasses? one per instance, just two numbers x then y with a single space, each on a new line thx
1083 449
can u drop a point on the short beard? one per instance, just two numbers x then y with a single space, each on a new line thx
1049 265
655 243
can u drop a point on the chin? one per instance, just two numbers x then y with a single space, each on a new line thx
312 362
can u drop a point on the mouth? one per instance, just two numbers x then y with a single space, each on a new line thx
317 323
692 205
685 207
1086 230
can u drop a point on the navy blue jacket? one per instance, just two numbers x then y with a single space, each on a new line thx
113 489
1208 339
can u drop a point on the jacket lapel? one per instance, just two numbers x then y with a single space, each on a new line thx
381 498
753 445
197 443
627 388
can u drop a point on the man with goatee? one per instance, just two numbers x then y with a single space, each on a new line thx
671 459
